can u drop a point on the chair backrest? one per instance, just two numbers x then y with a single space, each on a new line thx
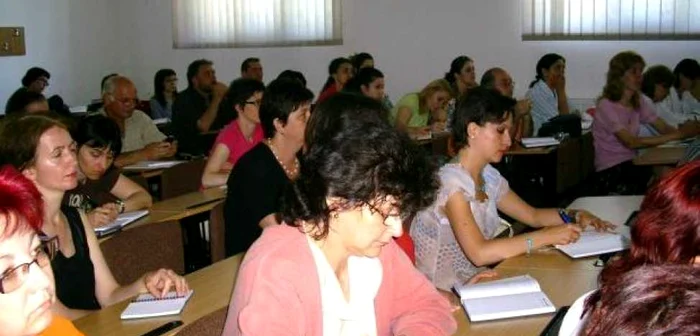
135 251
209 325
182 179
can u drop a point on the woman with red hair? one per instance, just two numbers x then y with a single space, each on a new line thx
26 292
666 231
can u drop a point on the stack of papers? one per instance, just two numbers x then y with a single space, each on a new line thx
151 165
539 142
121 221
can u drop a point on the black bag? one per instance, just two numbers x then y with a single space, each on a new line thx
567 123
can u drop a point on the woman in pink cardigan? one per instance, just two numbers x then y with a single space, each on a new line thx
332 267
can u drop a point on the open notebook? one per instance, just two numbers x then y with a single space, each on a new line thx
146 305
593 243
511 297
149 165
121 221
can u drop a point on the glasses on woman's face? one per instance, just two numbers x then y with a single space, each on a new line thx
254 102
392 213
15 277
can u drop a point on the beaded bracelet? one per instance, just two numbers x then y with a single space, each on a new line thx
528 242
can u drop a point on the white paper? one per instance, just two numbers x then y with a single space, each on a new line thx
148 165
539 142
594 243
122 220
498 307
508 286
170 305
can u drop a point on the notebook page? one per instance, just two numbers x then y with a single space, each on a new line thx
122 220
593 243
148 306
509 286
497 307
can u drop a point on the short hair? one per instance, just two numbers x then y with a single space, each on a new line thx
649 300
246 64
193 69
240 90
354 154
545 62
98 131
104 80
360 58
280 99
34 74
20 203
159 85
293 75
456 67
672 199
689 68
20 135
488 79
657 74
19 101
479 106
111 84
364 77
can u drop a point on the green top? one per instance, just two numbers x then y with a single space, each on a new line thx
412 101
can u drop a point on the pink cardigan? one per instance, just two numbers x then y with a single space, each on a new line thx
278 292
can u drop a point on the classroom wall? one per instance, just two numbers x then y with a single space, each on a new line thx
413 41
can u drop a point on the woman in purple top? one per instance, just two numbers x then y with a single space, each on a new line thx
618 116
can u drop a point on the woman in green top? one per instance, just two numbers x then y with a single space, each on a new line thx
420 112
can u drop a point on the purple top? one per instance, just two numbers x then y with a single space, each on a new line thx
611 117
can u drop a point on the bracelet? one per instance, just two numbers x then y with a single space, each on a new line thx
528 243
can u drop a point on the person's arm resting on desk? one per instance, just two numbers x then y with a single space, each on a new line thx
153 151
403 117
132 194
215 173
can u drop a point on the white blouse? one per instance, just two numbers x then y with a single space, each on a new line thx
573 322
354 317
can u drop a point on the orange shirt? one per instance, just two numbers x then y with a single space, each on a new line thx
61 327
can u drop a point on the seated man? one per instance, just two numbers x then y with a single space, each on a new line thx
35 80
141 138
252 68
196 109
498 79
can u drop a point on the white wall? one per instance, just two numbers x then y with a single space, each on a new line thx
413 41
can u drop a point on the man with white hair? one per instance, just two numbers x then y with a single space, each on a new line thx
141 139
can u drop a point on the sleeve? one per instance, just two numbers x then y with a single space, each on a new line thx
542 107
496 182
647 113
150 131
225 137
450 183
418 309
608 118
157 111
264 302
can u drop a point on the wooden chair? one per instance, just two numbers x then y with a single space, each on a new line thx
133 252
209 325
181 179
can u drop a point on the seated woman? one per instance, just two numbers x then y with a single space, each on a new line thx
339 73
26 280
615 129
656 84
548 91
165 91
462 78
650 300
25 101
41 148
420 112
239 136
365 60
332 267
367 82
102 191
666 231
455 236
258 179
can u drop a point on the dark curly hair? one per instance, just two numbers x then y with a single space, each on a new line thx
479 106
355 155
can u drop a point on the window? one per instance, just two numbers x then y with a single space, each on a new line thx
610 19
255 23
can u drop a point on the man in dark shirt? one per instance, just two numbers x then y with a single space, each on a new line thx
252 68
196 109
35 80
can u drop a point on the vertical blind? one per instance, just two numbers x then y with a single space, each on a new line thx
610 19
249 23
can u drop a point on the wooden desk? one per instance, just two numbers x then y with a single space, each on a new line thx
660 156
152 217
212 290
549 259
191 204
518 149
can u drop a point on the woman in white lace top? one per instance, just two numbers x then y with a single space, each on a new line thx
454 237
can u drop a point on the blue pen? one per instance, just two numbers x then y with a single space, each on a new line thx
565 217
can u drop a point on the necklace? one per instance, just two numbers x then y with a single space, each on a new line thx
290 173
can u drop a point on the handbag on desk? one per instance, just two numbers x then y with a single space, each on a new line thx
567 123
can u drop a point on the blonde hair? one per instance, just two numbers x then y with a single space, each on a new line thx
433 87
614 86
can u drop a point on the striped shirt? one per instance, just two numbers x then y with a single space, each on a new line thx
544 104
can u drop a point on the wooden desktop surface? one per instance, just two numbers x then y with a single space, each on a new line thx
190 204
518 149
660 156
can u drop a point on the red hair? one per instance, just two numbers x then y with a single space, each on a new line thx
667 229
19 199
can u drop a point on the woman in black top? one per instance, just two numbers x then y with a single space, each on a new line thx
41 148
260 176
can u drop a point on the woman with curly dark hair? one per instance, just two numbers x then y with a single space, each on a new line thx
332 267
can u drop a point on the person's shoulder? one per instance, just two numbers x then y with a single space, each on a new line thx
256 161
281 248
491 173
141 116
573 320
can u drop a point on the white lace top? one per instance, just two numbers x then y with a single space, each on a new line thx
438 254
355 317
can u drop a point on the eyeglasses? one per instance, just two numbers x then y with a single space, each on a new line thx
255 102
385 216
15 277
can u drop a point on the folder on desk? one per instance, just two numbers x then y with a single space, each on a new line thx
121 221
511 297
593 243
539 142
150 165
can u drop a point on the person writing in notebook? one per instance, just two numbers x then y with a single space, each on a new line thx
332 267
40 147
666 231
455 236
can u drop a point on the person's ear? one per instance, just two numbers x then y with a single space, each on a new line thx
364 89
30 173
473 130
279 126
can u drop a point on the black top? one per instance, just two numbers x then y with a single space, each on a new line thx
11 101
188 107
97 192
254 189
75 276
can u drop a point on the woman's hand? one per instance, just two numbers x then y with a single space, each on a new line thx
103 215
162 281
585 218
481 276
561 234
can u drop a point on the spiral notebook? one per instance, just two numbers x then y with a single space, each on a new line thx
146 305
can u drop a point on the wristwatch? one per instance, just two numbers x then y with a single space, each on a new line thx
120 205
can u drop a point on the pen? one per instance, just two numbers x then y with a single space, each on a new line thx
565 217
